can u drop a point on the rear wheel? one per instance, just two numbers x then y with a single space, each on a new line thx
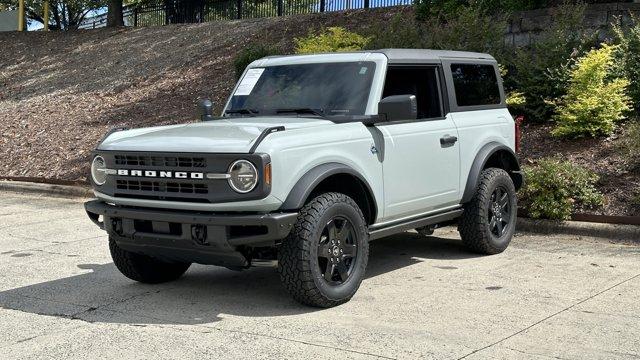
488 222
323 260
144 268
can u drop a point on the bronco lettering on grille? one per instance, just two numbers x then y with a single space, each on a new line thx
161 174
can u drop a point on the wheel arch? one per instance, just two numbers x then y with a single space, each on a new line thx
495 155
333 177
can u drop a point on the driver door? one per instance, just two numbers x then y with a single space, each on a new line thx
421 156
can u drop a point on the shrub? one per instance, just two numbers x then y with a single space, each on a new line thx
636 199
595 99
540 71
629 57
554 187
631 145
331 39
428 9
464 30
399 32
249 54
515 102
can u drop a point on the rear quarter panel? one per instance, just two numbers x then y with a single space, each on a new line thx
478 128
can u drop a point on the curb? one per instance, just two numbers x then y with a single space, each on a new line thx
546 227
587 229
46 189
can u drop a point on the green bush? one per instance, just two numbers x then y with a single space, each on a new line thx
554 187
631 144
428 9
464 30
628 55
332 39
595 98
400 32
540 71
249 54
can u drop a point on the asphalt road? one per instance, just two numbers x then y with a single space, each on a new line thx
545 297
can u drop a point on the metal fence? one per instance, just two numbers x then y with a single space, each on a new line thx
196 11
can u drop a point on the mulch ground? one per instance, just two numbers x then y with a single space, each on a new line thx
619 181
61 91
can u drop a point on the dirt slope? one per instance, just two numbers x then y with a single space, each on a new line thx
60 92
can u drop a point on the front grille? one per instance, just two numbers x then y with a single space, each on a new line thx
162 187
184 189
161 161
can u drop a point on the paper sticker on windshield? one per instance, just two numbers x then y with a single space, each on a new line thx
363 70
249 81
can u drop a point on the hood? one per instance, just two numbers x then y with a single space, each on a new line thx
218 136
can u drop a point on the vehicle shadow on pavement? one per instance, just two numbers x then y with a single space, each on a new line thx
205 292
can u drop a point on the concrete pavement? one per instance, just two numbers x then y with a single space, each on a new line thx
545 297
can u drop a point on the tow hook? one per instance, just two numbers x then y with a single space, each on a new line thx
116 225
199 234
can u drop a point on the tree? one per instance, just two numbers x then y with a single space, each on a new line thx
63 14
114 13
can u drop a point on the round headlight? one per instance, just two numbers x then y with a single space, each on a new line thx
99 170
243 176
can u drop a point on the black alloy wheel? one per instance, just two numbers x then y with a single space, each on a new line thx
499 212
337 250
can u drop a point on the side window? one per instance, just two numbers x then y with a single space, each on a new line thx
475 84
421 81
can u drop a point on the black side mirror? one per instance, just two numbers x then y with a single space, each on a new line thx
206 106
398 107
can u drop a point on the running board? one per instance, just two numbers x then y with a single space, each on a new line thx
415 223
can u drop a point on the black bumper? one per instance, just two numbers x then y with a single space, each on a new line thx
206 238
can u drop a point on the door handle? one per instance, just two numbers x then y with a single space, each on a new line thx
448 140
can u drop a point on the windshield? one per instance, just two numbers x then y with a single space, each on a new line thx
321 89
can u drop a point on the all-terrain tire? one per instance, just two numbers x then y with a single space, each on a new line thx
143 268
474 225
298 262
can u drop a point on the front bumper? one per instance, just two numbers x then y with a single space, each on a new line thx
187 236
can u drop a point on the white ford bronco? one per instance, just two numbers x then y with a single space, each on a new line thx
312 157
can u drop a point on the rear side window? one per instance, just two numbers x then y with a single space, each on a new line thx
419 81
475 85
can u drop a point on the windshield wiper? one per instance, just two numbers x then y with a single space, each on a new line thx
251 112
318 112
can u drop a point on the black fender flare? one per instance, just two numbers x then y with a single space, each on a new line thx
480 162
309 181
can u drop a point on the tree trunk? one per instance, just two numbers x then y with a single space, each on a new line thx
114 14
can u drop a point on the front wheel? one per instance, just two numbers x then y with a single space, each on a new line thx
489 219
144 268
323 260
